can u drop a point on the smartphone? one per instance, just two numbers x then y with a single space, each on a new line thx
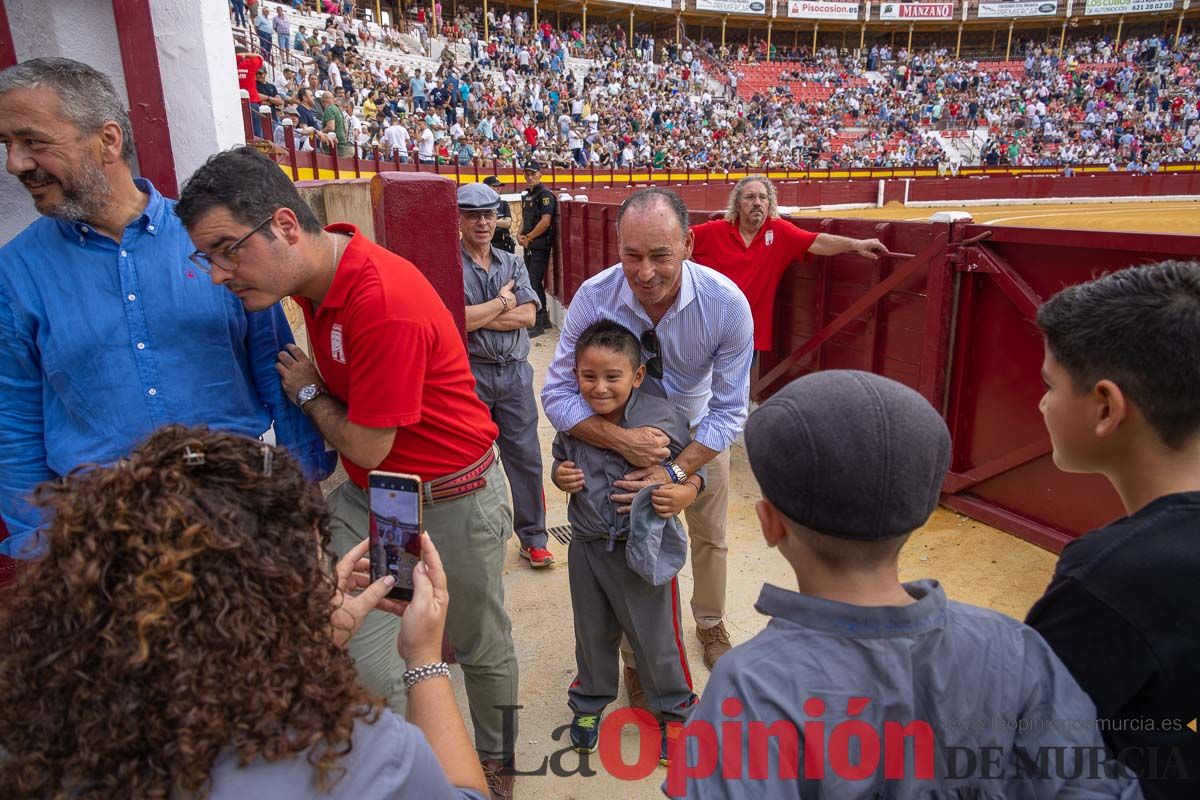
395 504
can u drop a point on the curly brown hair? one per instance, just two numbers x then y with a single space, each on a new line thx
180 611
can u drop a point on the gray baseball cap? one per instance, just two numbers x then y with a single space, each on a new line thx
477 197
657 547
849 454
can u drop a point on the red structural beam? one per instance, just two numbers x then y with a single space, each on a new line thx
8 53
147 106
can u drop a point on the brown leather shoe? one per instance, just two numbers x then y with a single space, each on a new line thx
716 643
634 690
499 783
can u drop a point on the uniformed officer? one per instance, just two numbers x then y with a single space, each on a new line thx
501 304
539 208
502 238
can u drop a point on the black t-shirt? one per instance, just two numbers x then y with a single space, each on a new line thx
1123 613
533 205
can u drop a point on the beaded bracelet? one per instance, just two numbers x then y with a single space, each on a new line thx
414 676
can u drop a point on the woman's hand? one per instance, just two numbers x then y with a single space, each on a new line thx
420 641
353 572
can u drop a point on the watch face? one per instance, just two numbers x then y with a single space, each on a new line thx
306 393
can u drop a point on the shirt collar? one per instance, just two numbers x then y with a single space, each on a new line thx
466 257
843 619
150 220
349 264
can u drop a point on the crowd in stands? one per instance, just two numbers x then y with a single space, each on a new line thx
522 93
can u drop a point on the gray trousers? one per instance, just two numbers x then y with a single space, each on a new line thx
470 534
507 391
609 599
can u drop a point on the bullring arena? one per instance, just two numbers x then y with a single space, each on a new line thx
951 318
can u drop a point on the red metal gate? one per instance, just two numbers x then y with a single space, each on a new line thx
955 322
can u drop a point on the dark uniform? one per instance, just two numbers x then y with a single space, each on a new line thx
502 239
534 204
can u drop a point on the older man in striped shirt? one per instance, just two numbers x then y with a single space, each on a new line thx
697 333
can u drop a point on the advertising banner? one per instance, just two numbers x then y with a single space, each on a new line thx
650 3
733 6
1096 7
1022 8
916 11
822 9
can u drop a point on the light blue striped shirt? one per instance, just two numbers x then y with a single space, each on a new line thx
706 340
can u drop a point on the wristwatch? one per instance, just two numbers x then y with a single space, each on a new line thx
675 471
307 393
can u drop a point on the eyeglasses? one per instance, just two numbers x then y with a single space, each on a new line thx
227 257
654 365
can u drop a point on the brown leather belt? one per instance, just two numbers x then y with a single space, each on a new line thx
459 484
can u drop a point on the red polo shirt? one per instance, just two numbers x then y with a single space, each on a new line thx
388 348
756 269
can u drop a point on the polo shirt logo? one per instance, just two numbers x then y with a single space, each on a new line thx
336 350
770 237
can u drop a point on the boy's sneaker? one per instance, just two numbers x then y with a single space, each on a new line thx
537 556
670 734
585 732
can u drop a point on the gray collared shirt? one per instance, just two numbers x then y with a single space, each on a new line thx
987 687
482 285
591 511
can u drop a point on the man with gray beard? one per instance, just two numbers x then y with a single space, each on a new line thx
109 328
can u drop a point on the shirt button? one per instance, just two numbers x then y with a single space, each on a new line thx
141 345
152 391
150 228
131 297
86 229
123 254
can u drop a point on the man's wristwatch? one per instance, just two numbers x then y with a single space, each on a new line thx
675 472
308 393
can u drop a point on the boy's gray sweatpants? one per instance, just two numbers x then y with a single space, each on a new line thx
608 599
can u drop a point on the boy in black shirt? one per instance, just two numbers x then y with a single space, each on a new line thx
1122 376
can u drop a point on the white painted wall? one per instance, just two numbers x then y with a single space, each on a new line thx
199 75
195 58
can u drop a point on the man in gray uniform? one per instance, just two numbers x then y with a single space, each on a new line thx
867 687
500 306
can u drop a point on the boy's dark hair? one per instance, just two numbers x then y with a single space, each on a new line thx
1139 328
247 183
611 336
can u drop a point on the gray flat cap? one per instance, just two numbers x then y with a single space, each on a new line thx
657 547
477 197
849 454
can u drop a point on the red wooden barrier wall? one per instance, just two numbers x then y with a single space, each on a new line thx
954 323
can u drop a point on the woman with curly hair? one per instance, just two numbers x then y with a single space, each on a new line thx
183 637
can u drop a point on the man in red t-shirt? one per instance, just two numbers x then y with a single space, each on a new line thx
248 65
394 393
753 247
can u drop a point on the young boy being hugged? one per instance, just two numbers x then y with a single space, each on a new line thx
608 597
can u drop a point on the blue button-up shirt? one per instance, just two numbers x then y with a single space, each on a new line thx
102 342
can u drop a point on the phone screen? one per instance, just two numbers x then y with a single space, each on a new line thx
395 530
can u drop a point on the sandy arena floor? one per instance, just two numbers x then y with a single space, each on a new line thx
1161 217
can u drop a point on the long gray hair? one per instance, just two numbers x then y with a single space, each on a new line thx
731 211
88 98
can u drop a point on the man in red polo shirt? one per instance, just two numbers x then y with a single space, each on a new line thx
394 392
752 247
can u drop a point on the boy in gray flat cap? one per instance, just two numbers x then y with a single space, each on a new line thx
610 595
861 686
